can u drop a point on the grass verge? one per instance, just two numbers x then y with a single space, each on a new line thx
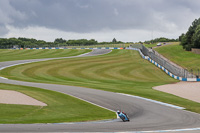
101 45
61 108
150 45
122 71
10 54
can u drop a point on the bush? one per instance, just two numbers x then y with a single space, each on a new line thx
187 47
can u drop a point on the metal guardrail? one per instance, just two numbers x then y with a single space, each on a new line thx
171 67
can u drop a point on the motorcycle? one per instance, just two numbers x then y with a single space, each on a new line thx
123 116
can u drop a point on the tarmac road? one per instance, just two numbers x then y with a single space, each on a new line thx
144 115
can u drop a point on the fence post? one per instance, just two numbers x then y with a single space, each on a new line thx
192 72
186 72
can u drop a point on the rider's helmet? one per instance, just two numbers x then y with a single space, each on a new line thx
118 112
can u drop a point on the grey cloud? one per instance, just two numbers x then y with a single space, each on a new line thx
3 30
8 15
94 15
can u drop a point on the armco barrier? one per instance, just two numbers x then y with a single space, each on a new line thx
164 69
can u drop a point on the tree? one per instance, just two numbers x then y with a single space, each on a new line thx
114 40
190 39
196 38
181 37
161 39
59 40
91 42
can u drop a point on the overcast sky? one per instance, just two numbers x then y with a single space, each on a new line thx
126 20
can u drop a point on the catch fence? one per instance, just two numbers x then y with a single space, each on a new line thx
167 64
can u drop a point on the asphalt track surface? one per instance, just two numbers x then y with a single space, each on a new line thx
144 115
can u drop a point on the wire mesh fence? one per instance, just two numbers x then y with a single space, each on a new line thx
196 73
167 64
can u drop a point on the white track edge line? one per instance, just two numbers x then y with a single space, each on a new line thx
154 101
90 102
173 130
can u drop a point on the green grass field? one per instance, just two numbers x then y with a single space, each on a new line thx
122 71
10 54
178 55
150 45
101 45
61 108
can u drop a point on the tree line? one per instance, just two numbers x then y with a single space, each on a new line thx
191 39
22 43
58 42
161 39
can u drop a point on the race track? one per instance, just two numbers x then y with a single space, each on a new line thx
144 115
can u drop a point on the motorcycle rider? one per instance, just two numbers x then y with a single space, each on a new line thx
118 112
121 114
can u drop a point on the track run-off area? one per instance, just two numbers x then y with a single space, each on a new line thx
145 115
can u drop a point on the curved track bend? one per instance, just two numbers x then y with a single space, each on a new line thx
144 115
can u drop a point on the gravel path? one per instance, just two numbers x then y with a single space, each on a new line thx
188 90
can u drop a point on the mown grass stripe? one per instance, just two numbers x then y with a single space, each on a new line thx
9 55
